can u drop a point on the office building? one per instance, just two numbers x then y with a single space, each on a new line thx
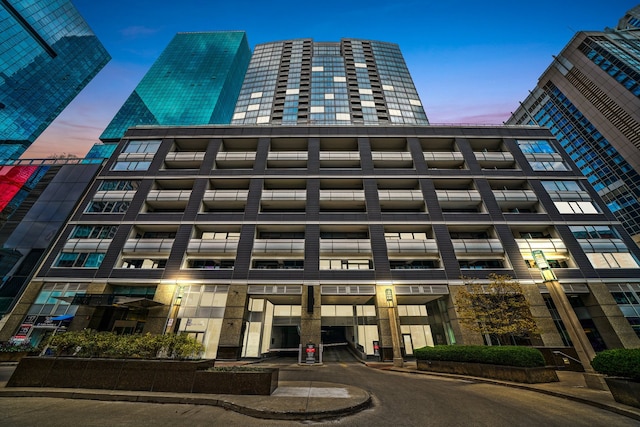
589 98
195 81
48 54
260 236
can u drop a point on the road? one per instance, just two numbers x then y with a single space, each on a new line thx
400 399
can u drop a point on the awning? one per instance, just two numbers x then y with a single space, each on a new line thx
136 302
63 317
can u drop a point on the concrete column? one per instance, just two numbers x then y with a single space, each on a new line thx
611 323
384 325
15 318
233 323
549 334
310 316
463 335
157 317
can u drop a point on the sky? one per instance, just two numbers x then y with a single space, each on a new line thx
471 61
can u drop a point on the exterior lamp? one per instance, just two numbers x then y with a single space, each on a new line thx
388 293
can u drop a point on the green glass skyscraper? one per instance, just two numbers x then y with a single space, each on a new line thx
195 81
48 54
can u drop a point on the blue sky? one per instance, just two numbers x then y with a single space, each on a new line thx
471 61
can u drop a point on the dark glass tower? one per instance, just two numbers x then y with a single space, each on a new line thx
48 54
590 100
195 81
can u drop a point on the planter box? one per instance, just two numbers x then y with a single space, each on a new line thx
499 372
111 374
177 376
12 356
262 382
624 390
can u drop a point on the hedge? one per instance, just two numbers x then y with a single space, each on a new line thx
525 357
89 343
621 362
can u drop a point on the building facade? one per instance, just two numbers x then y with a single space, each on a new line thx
589 98
195 81
351 82
257 239
48 54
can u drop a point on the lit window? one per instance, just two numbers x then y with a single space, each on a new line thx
317 109
329 96
343 116
365 91
388 87
394 112
256 95
263 119
339 79
368 103
576 207
317 68
293 91
239 116
253 107
360 65
612 260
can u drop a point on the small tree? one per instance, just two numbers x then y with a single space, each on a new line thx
497 309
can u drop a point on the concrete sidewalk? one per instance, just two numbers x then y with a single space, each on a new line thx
313 400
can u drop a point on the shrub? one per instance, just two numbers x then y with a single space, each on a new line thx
8 347
621 362
89 343
525 357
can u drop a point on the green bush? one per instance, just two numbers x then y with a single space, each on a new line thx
89 343
525 357
621 362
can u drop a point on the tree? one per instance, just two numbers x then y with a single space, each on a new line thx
497 310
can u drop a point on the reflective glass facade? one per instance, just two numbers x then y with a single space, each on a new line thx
48 54
341 83
195 81
590 100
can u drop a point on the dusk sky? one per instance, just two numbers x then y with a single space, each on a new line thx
471 61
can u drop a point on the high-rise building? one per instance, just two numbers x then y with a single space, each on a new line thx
589 98
195 81
260 236
48 54
354 81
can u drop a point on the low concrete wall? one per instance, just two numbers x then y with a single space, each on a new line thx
624 391
177 376
499 372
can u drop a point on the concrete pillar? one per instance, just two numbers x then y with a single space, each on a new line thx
311 316
157 317
611 323
384 325
463 335
549 335
233 324
15 318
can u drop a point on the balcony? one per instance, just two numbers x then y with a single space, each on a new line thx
339 159
113 196
496 160
184 160
283 200
555 246
274 247
147 246
477 246
444 159
235 160
401 199
287 159
345 246
391 159
212 246
412 247
225 200
86 245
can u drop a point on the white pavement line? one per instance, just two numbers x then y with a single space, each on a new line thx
331 392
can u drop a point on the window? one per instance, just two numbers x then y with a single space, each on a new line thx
93 232
481 264
131 166
535 146
562 186
118 185
279 264
593 232
417 264
144 263
346 264
220 235
576 207
107 207
80 259
405 236
612 260
155 235
211 264
553 263
142 146
548 166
